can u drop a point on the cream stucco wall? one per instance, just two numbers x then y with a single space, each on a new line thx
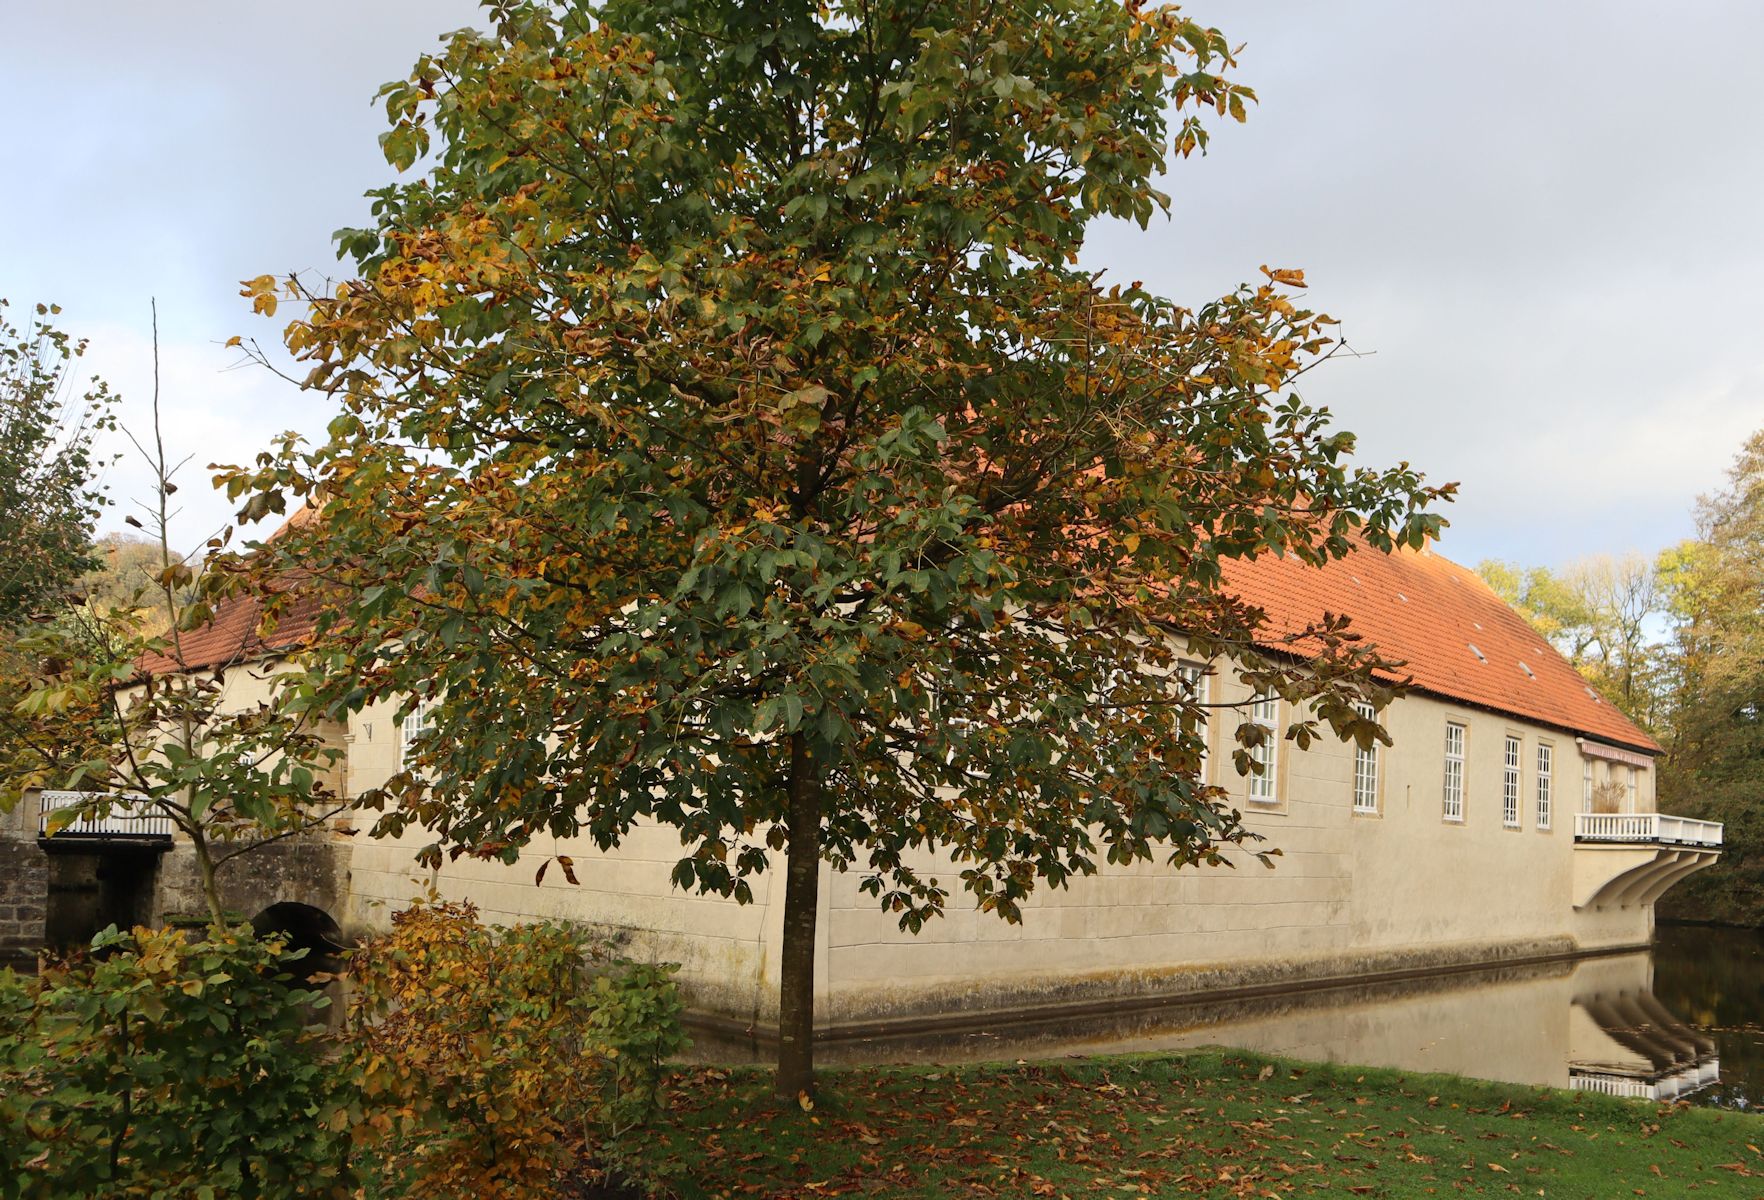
1349 892
727 952
309 870
247 686
1402 889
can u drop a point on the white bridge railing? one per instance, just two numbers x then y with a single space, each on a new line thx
124 817
1645 827
1693 1077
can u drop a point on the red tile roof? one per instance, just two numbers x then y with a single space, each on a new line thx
1414 606
1456 638
236 634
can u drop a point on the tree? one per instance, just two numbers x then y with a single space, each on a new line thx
1714 588
49 491
1603 612
115 704
729 441
1544 599
129 566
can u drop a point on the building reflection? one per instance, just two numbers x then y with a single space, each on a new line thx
1624 1042
1592 1024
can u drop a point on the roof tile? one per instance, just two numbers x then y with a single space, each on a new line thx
1455 636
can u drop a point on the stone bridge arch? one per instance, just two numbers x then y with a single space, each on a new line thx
304 927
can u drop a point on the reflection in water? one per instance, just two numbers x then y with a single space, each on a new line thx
1639 1049
1591 1023
1714 979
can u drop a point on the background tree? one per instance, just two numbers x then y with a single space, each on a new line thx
50 494
1606 614
728 440
128 567
113 705
1714 585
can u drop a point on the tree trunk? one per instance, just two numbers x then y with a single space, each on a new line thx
217 915
802 885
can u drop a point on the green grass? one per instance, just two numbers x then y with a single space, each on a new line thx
1210 1123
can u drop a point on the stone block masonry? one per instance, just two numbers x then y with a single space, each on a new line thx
24 889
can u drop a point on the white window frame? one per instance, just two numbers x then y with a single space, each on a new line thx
1366 768
1452 797
1546 770
1512 756
1632 793
1264 786
1586 782
415 724
1197 680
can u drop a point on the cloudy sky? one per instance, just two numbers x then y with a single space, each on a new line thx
1539 222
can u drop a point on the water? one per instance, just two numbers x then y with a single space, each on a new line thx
1714 980
1684 1022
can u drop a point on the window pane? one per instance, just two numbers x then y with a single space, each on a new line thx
1454 773
1265 711
1510 784
1194 679
1545 770
1365 769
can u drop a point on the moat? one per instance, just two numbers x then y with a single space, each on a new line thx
1682 1021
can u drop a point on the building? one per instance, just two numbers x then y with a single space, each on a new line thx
1510 822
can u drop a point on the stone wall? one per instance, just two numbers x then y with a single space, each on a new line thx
24 889
311 870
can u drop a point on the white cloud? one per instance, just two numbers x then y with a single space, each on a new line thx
213 411
1549 238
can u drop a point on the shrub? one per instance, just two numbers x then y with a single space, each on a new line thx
496 1062
163 1066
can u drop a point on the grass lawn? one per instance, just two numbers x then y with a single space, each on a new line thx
1210 1123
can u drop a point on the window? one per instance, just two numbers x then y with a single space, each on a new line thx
1629 795
1454 772
1265 711
1194 681
1510 783
1366 769
416 724
1586 778
1545 764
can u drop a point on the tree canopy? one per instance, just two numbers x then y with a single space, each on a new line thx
110 698
1714 584
50 493
730 439
1606 614
1677 642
